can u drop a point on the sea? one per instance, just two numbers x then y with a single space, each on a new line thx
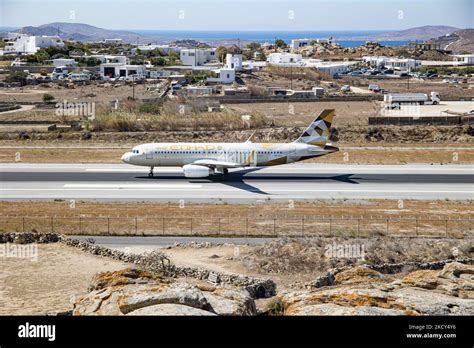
344 38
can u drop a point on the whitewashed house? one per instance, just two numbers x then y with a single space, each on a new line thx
118 66
234 61
224 75
64 62
28 44
285 59
464 59
166 49
197 56
401 64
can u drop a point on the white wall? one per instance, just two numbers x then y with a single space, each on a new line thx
284 58
234 61
191 56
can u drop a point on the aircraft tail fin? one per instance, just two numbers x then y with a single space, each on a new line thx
319 130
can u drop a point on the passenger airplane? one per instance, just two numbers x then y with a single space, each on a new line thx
200 160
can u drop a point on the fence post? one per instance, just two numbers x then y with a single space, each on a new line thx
416 227
219 225
274 226
163 225
108 225
358 227
246 227
80 225
387 226
191 226
330 226
136 225
23 224
446 228
52 224
302 226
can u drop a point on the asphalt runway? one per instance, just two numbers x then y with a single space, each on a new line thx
289 182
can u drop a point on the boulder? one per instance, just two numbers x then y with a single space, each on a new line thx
170 309
231 302
135 297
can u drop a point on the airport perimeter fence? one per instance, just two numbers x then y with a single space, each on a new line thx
243 226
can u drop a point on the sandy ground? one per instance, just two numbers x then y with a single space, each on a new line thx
48 284
293 114
83 93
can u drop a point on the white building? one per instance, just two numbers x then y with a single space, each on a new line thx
64 62
464 59
166 49
27 44
285 59
401 64
298 43
234 61
197 56
330 68
224 75
118 66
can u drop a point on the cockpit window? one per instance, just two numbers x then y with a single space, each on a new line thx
135 151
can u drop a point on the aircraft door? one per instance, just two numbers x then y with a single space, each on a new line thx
149 153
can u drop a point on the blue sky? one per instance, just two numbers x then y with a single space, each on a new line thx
241 14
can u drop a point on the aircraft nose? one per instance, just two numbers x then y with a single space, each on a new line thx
126 157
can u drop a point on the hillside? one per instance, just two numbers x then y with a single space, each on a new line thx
413 34
82 32
460 41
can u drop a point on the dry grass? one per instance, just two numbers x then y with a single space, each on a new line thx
309 257
246 219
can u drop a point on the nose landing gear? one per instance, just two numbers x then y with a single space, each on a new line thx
150 174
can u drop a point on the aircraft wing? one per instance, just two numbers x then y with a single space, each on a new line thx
217 164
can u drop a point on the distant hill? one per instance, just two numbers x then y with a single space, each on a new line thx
83 32
413 34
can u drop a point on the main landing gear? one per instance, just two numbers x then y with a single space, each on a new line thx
150 174
225 171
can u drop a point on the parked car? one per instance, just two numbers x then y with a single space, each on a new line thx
445 81
374 88
355 73
346 88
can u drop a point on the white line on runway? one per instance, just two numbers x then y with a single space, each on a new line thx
132 186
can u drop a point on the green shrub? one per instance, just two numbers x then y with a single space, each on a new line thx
48 97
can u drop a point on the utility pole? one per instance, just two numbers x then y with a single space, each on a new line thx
291 77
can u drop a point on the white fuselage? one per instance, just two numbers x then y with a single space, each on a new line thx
245 154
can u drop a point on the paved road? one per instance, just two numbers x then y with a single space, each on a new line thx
161 242
295 182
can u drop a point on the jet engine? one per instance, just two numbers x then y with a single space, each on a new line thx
194 171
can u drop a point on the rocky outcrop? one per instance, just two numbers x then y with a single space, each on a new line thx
133 292
362 291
